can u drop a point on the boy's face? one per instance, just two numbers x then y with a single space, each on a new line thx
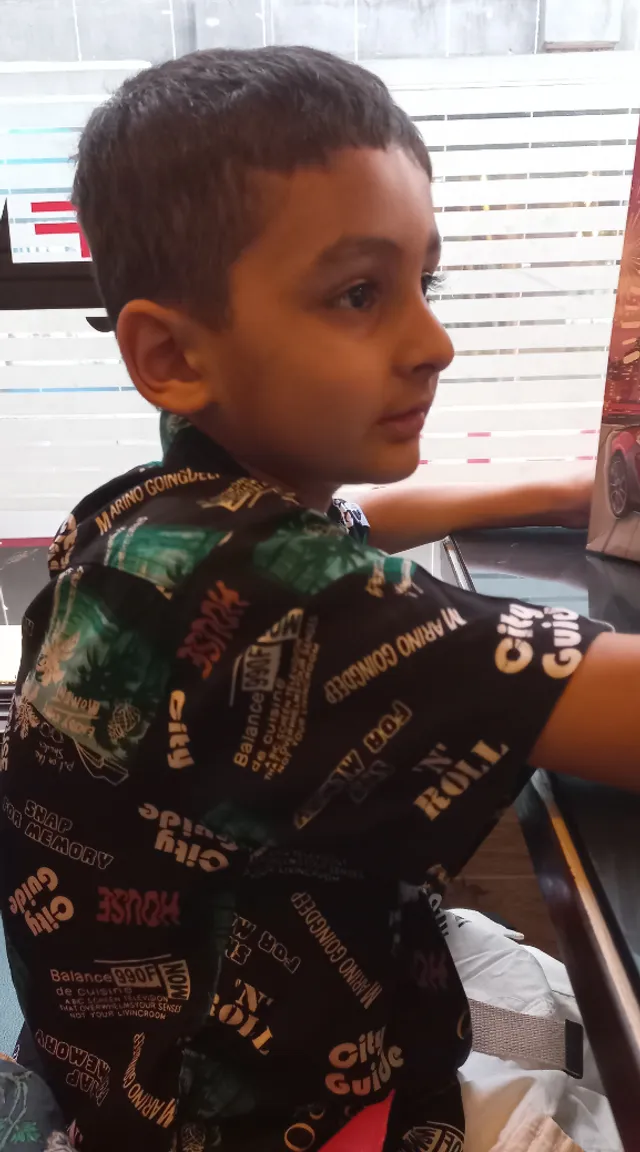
332 358
329 364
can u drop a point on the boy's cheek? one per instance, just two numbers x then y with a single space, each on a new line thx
311 371
353 374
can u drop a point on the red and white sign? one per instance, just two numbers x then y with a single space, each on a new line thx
44 229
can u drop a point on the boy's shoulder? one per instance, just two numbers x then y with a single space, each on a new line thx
159 522
176 562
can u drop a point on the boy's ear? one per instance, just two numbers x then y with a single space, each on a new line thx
168 356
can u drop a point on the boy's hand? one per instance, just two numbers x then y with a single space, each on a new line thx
403 517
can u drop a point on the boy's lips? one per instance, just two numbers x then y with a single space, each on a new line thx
405 425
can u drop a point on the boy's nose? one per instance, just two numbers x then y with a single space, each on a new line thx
427 346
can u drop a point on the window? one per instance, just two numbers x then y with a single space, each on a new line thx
532 154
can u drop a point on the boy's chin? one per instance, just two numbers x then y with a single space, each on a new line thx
397 463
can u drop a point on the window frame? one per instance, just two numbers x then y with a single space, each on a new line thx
68 284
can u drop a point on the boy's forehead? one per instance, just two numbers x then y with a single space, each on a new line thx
322 215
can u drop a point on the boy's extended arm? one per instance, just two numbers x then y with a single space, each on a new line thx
594 729
404 517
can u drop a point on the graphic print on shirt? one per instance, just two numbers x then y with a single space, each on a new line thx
161 1112
245 1013
61 549
210 633
93 681
365 989
310 557
51 830
163 554
395 571
245 936
516 651
42 913
389 655
88 1072
245 752
453 775
139 988
352 767
277 672
433 1138
136 499
256 669
350 517
363 1066
193 845
243 493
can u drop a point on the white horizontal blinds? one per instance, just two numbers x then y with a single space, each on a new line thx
532 161
533 220
66 404
42 108
69 418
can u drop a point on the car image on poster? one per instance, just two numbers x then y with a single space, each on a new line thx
615 514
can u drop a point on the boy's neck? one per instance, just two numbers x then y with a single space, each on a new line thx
312 494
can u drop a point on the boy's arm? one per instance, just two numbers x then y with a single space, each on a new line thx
594 729
372 707
402 517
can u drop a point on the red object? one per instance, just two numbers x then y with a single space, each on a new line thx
365 1133
52 206
626 444
62 227
26 542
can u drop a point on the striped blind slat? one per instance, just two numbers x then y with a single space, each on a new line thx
532 160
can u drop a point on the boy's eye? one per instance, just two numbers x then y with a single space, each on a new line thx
359 297
431 281
363 296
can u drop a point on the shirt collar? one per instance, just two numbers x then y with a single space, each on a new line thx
183 445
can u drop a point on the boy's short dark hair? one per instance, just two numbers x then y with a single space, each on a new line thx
163 185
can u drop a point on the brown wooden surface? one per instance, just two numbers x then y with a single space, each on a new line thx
499 880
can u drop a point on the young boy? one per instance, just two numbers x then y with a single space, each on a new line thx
244 741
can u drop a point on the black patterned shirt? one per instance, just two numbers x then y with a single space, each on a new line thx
245 751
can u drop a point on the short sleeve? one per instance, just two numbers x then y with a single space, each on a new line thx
425 703
372 710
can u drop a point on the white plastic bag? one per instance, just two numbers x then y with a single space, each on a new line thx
514 1107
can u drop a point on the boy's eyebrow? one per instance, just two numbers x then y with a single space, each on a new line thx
349 247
